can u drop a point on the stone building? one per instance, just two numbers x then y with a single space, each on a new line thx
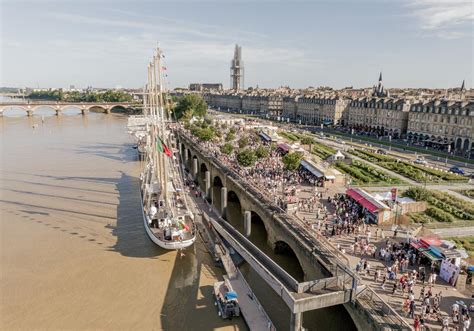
443 124
271 105
289 107
321 110
381 116
205 86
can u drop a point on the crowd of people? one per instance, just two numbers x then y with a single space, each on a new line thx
401 272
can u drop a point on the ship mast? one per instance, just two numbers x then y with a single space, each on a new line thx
155 101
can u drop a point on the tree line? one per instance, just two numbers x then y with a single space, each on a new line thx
76 96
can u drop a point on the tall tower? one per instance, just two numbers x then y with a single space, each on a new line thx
237 69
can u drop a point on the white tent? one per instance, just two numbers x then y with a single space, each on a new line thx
338 156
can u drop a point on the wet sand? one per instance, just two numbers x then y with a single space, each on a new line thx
74 254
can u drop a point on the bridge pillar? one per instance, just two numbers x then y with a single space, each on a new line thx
247 223
107 110
223 201
296 322
58 111
185 156
29 113
195 168
208 184
84 111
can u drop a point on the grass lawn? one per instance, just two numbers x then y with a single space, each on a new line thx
362 173
415 172
468 193
443 210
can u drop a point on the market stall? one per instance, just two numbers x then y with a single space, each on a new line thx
374 210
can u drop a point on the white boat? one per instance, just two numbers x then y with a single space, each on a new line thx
167 219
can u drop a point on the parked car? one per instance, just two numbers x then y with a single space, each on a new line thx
381 151
420 160
340 141
457 170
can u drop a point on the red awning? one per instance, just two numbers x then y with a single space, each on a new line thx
354 194
415 245
430 241
366 203
369 205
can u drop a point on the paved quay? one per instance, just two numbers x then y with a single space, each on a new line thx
345 242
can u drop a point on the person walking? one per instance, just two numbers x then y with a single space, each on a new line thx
412 309
384 279
416 323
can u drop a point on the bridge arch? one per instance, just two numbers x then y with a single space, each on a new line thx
234 214
71 110
46 110
97 109
16 111
202 176
259 230
216 188
289 259
188 163
119 109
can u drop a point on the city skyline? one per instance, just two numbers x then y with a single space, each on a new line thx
419 43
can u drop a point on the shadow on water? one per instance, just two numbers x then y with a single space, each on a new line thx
182 309
132 240
110 151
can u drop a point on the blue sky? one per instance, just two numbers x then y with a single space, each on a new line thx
108 43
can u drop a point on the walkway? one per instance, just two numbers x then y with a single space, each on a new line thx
450 294
251 309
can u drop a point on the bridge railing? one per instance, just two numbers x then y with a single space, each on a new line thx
334 256
334 259
388 317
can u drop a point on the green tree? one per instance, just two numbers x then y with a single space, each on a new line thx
190 105
227 149
261 152
417 193
307 141
230 136
243 142
205 134
292 161
246 158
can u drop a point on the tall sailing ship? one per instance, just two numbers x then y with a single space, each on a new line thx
168 221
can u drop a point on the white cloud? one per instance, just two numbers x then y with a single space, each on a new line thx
443 18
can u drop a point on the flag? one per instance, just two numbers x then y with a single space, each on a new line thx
162 148
167 151
159 145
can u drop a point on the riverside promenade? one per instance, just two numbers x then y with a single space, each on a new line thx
368 307
345 243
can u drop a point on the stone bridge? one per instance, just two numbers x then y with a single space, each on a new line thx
318 258
58 107
222 185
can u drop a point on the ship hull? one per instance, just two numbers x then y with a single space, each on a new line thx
170 245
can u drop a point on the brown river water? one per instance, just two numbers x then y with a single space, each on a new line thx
74 254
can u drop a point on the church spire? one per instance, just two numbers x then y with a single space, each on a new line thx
380 77
463 88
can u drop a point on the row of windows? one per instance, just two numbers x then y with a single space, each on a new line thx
376 105
439 129
318 101
442 110
443 119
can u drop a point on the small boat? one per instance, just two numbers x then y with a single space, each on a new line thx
226 300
